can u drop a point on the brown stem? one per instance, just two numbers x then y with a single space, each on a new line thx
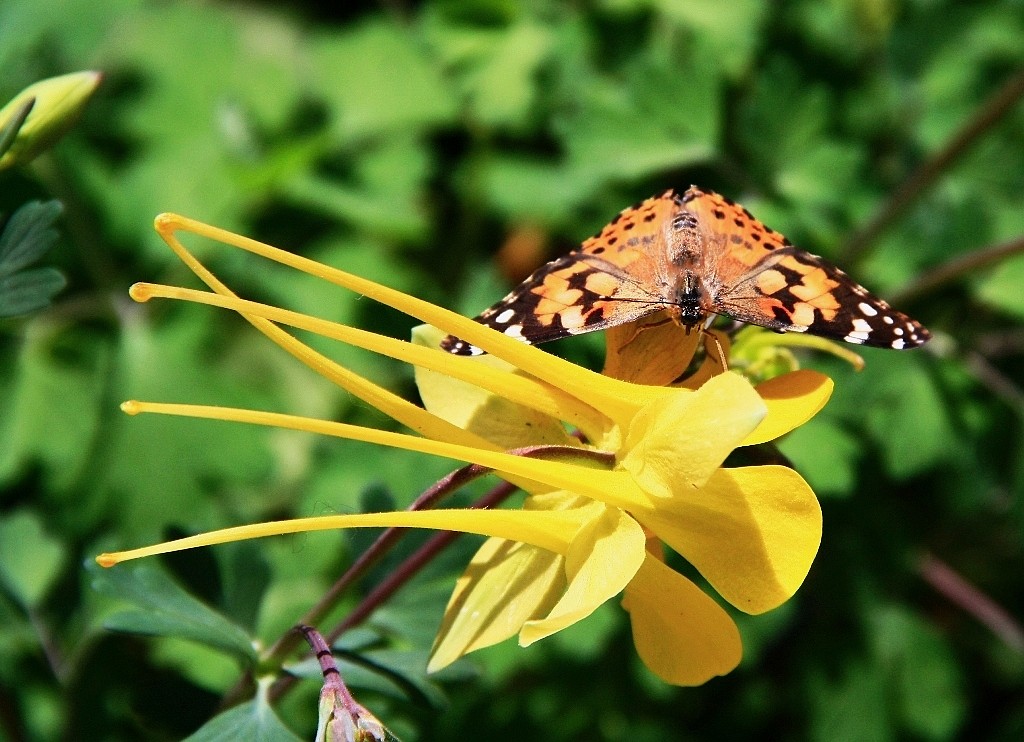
995 381
921 179
959 267
959 591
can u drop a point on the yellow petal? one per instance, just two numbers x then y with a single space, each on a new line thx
792 400
683 636
685 436
492 417
752 532
614 398
505 585
551 530
602 559
653 350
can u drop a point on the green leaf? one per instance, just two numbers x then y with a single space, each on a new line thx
907 418
1002 289
927 680
377 79
826 454
28 235
30 560
648 122
40 386
254 721
163 608
170 465
851 705
246 577
29 290
502 87
732 30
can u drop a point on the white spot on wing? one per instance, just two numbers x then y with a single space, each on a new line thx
851 338
867 309
861 326
514 331
504 317
898 344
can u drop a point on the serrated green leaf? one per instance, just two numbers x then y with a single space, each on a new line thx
163 608
30 560
28 234
29 290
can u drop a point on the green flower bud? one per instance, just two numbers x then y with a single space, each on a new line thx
58 103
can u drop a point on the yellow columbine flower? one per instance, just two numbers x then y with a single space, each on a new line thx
588 531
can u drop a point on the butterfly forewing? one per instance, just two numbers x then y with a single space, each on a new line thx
747 271
609 281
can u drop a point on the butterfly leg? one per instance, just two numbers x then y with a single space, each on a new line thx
716 352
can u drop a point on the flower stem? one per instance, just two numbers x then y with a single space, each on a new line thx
959 591
921 179
959 267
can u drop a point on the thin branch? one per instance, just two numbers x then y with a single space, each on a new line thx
1001 343
959 591
921 179
959 267
996 382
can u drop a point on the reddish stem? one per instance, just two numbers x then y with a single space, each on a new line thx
959 591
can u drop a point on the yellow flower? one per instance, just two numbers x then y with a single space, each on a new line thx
650 471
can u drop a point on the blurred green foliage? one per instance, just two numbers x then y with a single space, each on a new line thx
409 142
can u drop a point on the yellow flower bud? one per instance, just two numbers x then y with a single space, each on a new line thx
58 103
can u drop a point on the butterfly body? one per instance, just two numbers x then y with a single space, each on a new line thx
693 255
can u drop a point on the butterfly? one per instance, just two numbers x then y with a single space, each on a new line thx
693 255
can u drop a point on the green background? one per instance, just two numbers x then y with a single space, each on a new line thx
446 148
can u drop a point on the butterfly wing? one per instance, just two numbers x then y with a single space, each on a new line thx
760 277
610 280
